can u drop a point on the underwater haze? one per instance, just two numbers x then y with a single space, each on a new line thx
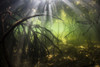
50 33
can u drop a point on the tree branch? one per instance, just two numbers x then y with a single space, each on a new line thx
18 23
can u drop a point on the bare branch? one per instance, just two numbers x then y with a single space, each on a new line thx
18 23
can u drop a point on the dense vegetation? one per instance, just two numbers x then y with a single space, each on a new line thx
50 33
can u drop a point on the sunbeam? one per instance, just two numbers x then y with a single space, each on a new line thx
50 33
